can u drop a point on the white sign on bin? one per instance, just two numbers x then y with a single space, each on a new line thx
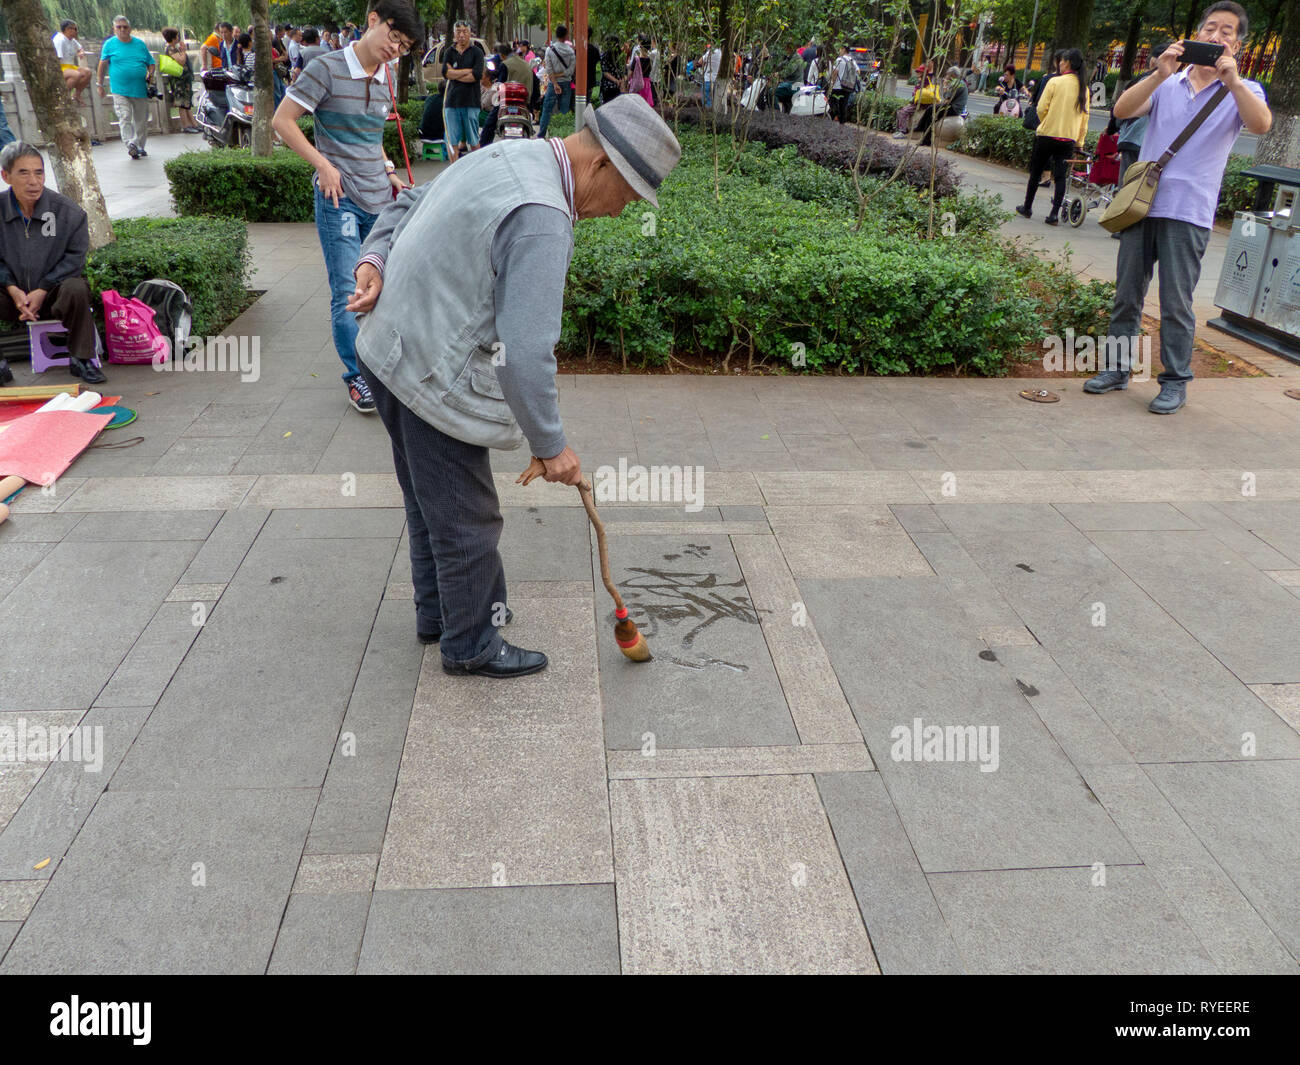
1239 281
1279 293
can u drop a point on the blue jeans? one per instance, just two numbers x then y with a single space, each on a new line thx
553 99
454 523
708 93
462 126
342 230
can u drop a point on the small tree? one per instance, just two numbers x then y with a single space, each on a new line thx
69 141
1281 145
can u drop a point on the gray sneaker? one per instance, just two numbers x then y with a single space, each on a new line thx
1107 381
1173 394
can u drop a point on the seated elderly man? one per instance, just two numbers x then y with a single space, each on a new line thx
44 238
457 345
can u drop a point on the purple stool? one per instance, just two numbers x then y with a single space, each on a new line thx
46 351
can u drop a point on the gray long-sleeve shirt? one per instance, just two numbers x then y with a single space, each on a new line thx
530 260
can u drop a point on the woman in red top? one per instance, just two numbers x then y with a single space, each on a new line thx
1105 167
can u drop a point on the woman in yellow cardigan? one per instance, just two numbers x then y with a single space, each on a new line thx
1062 124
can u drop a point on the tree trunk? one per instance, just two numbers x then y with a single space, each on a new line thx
722 84
1073 21
1130 52
263 80
69 140
1193 10
1281 145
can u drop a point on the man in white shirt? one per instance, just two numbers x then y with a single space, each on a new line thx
69 50
712 63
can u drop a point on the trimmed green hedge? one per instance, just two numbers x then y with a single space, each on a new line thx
1005 140
233 183
774 266
207 257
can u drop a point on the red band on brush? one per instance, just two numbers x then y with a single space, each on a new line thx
621 613
628 643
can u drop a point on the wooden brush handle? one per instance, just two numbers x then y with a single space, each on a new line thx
584 489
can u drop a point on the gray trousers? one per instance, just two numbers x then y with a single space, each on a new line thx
1179 248
132 118
454 523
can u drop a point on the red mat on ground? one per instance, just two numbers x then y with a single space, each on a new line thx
40 447
11 412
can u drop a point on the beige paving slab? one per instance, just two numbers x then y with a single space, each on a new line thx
1007 636
196 593
799 489
1284 698
17 779
288 491
1289 578
503 782
159 493
405 590
732 875
820 712
17 897
1001 486
740 761
719 488
1174 485
335 874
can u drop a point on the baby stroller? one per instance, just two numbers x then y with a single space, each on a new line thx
808 100
514 118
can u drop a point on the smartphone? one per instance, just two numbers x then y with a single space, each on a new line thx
1202 53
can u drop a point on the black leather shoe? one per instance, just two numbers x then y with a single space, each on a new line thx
6 374
1023 211
511 661
86 370
436 634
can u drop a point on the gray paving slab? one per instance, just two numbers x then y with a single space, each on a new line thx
732 874
18 779
546 544
334 524
1283 698
240 712
354 803
226 547
568 928
1125 517
53 616
1247 815
198 455
919 517
986 519
967 584
907 930
53 812
18 897
320 935
148 667
145 525
1275 522
167 883
158 493
1228 532
1039 921
711 682
17 560
1242 616
1173 702
37 528
8 929
907 661
1223 919
504 784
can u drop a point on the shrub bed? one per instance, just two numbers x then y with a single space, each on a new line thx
233 183
836 147
758 275
207 257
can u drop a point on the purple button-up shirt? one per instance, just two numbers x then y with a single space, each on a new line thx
1189 186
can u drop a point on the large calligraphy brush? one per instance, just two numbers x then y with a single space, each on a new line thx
629 638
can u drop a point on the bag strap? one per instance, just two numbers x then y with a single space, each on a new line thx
1192 126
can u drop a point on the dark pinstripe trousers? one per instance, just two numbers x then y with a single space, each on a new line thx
454 522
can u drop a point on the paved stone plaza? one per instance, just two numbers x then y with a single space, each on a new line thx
1112 598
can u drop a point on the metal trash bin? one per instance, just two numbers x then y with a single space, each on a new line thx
1259 284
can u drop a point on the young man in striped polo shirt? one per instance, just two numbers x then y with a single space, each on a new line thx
347 93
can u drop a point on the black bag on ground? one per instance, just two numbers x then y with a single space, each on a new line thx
172 309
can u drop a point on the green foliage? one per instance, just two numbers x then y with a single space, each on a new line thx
774 261
94 18
877 111
1237 193
207 257
233 183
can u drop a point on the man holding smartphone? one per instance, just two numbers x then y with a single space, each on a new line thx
1176 231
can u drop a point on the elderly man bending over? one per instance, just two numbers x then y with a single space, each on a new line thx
456 344
44 239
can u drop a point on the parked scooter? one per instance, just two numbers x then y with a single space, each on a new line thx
225 108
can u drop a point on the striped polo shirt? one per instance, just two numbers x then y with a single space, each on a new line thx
350 108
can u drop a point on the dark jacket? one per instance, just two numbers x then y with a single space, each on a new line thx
48 249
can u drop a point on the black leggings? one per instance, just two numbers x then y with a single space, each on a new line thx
1048 151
